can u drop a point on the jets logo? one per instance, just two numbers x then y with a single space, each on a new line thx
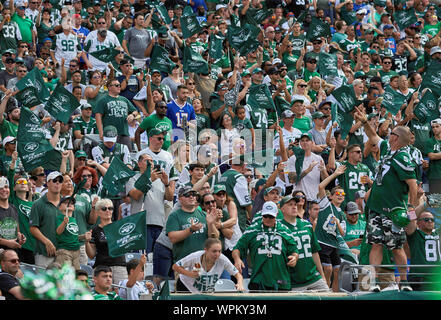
25 210
431 105
72 228
195 220
126 229
388 96
31 146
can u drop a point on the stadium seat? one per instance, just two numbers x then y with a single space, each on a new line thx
148 269
347 278
133 255
225 285
87 268
246 281
171 285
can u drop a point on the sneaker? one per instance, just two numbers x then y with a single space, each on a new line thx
391 287
405 286
375 288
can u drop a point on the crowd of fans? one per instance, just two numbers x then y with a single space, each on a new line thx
282 185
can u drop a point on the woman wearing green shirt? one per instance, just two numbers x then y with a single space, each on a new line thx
288 57
95 91
44 26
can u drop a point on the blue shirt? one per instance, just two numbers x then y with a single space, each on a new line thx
175 113
391 44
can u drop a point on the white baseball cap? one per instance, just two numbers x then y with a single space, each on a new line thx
4 182
53 175
434 50
270 208
8 139
435 121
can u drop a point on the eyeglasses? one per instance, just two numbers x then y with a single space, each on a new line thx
160 138
107 208
23 46
115 85
394 134
209 202
387 62
427 219
190 194
267 216
21 181
101 23
58 180
338 193
86 176
14 261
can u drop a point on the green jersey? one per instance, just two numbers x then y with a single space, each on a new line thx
237 188
68 239
83 207
350 180
385 76
180 220
269 248
101 153
390 190
298 42
424 250
326 229
114 112
305 272
8 128
290 60
354 231
109 296
348 45
9 36
304 124
434 146
163 124
85 127
422 134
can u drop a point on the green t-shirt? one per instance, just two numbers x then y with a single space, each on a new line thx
25 25
305 272
180 220
202 121
8 128
422 134
389 189
83 206
68 240
269 248
424 250
163 124
114 112
93 102
304 124
385 76
326 230
354 231
432 29
290 60
434 146
350 180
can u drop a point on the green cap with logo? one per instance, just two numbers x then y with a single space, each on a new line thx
218 188
154 132
110 134
80 154
285 200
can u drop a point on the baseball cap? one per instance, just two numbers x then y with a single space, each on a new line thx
371 115
246 72
276 60
155 71
372 51
310 59
80 154
110 134
218 188
53 175
67 199
154 132
270 208
359 74
362 11
257 70
4 182
287 114
277 29
306 134
285 200
434 50
296 100
352 208
317 115
273 70
269 189
184 190
85 105
388 26
8 139
435 121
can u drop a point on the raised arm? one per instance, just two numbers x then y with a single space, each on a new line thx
322 186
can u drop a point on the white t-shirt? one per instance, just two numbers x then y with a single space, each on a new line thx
132 293
207 280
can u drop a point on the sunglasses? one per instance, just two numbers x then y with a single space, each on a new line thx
101 23
302 85
23 46
107 208
82 159
73 65
338 193
357 151
209 202
297 198
58 180
115 85
267 216
191 83
190 194
160 138
41 174
427 219
387 62
21 182
248 176
13 260
86 176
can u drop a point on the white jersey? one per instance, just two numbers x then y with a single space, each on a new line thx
66 46
92 44
164 159
207 279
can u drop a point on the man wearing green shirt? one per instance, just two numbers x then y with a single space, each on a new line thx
26 26
355 228
433 148
301 122
9 127
102 277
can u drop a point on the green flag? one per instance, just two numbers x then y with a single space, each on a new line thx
126 235
281 105
28 97
144 182
189 25
162 10
160 59
343 102
216 47
260 96
163 294
194 62
106 54
243 39
344 251
61 103
405 18
317 29
432 78
256 16
116 176
34 79
32 145
392 100
188 11
426 110
299 153
328 64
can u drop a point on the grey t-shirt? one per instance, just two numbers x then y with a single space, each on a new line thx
137 42
319 137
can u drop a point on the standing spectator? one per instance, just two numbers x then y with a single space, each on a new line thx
131 83
390 190
66 46
26 26
308 272
135 284
177 110
9 277
42 222
189 226
113 109
97 246
136 40
10 235
272 249
9 31
433 149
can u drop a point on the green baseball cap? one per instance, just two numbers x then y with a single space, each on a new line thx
11 51
306 134
359 74
285 200
218 188
110 134
372 51
246 72
317 115
371 115
269 189
257 70
259 183
154 132
80 154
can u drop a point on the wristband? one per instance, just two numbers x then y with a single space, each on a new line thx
412 215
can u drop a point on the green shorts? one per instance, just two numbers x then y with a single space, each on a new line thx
381 230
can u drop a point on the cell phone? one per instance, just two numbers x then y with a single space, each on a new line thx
157 167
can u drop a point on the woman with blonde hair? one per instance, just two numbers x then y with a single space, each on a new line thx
193 93
317 91
300 92
181 154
